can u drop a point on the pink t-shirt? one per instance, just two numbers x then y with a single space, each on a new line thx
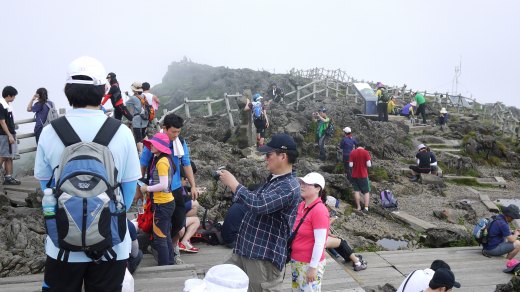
318 218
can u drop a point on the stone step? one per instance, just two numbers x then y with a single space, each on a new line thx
485 200
414 222
449 150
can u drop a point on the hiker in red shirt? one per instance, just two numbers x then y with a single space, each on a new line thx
360 162
114 94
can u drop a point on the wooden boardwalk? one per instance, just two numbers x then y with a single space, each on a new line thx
475 272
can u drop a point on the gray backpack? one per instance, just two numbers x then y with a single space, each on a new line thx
90 214
51 115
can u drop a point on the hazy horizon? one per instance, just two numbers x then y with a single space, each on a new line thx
396 42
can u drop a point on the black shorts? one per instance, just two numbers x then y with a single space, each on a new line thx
260 127
104 277
139 134
420 170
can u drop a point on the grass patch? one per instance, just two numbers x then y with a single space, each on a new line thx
369 248
378 174
471 182
339 168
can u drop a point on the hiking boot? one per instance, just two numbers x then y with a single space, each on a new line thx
11 181
361 267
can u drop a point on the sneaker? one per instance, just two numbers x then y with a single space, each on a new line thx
177 260
365 211
484 253
361 267
360 258
11 181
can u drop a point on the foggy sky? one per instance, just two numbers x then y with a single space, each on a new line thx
406 41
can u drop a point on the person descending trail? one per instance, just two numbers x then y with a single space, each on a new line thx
260 119
114 94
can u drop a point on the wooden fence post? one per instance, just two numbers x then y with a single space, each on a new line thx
327 88
228 110
337 89
210 111
187 108
314 90
297 97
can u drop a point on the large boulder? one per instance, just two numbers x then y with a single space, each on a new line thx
447 236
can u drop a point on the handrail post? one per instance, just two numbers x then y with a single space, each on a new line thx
337 89
228 109
210 111
187 108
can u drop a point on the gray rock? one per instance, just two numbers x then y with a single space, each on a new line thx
447 236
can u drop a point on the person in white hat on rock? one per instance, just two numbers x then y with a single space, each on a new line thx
424 160
310 235
347 144
443 118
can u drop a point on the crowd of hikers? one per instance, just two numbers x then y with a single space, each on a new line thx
93 168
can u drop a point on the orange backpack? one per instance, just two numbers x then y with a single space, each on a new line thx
147 111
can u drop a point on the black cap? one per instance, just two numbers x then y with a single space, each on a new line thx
437 264
444 278
278 142
511 211
111 75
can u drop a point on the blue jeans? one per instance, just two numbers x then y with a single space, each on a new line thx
321 143
162 225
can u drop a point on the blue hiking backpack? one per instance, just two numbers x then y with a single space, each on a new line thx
257 110
90 212
387 200
480 231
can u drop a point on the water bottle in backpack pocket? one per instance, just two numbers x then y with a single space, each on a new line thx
480 230
387 200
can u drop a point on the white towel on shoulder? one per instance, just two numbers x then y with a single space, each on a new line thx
178 149
5 104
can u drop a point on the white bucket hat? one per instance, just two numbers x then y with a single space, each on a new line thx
314 178
443 110
347 130
421 146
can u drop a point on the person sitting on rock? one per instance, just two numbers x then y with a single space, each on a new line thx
500 239
338 245
192 222
408 110
419 280
423 163
391 108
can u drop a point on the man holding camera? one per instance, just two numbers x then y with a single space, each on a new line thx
261 247
323 123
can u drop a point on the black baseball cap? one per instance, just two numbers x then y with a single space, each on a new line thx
278 142
444 278
111 75
439 264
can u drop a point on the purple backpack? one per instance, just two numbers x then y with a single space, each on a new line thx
387 200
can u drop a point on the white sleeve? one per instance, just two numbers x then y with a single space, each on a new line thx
435 163
369 163
320 237
351 164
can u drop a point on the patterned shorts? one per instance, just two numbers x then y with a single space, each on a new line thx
299 277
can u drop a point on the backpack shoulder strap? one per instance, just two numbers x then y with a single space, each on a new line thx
107 131
65 131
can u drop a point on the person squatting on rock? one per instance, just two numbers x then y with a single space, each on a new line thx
310 235
40 109
70 270
260 119
442 119
424 160
180 155
261 247
442 281
323 122
360 161
382 102
501 240
419 280
8 145
160 173
135 106
114 94
347 144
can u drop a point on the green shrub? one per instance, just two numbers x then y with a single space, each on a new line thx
378 174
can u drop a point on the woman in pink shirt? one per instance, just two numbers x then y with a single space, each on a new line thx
308 246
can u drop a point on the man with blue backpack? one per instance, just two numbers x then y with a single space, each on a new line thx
88 166
500 239
347 144
260 119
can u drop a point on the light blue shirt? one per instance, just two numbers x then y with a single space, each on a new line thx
86 124
146 157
